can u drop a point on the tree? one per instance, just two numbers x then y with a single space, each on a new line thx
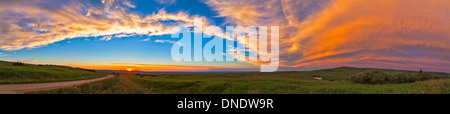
420 72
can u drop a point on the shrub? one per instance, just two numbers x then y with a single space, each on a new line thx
371 77
378 77
18 64
427 76
403 77
414 77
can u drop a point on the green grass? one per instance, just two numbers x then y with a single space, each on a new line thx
116 85
28 73
298 82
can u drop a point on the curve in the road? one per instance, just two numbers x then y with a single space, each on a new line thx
23 88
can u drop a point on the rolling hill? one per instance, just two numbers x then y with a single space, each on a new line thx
11 72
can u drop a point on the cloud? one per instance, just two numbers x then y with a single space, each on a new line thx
128 3
366 33
166 2
30 61
392 26
27 61
160 41
33 23
249 12
285 14
106 38
1 54
167 41
144 40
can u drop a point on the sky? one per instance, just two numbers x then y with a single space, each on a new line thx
314 34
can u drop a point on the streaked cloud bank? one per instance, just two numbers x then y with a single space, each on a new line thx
404 34
400 34
34 23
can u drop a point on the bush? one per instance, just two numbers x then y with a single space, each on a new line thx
414 77
370 77
378 77
18 64
427 76
403 77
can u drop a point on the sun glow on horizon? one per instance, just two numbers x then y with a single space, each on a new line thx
129 69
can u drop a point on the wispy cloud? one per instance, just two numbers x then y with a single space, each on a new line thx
166 2
30 61
1 54
129 4
167 41
106 38
26 61
28 24
323 33
147 39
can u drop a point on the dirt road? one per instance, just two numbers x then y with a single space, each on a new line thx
23 88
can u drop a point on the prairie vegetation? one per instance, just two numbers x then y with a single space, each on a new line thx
334 81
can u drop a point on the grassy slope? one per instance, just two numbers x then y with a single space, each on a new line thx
258 83
33 73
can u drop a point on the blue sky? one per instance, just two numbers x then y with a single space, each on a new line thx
131 49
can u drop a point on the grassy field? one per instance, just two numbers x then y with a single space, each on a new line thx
27 73
295 82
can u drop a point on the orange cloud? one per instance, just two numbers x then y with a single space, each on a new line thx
354 32
354 25
249 12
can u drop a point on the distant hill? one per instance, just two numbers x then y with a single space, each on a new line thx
390 71
13 72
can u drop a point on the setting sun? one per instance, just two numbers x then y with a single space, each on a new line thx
129 69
